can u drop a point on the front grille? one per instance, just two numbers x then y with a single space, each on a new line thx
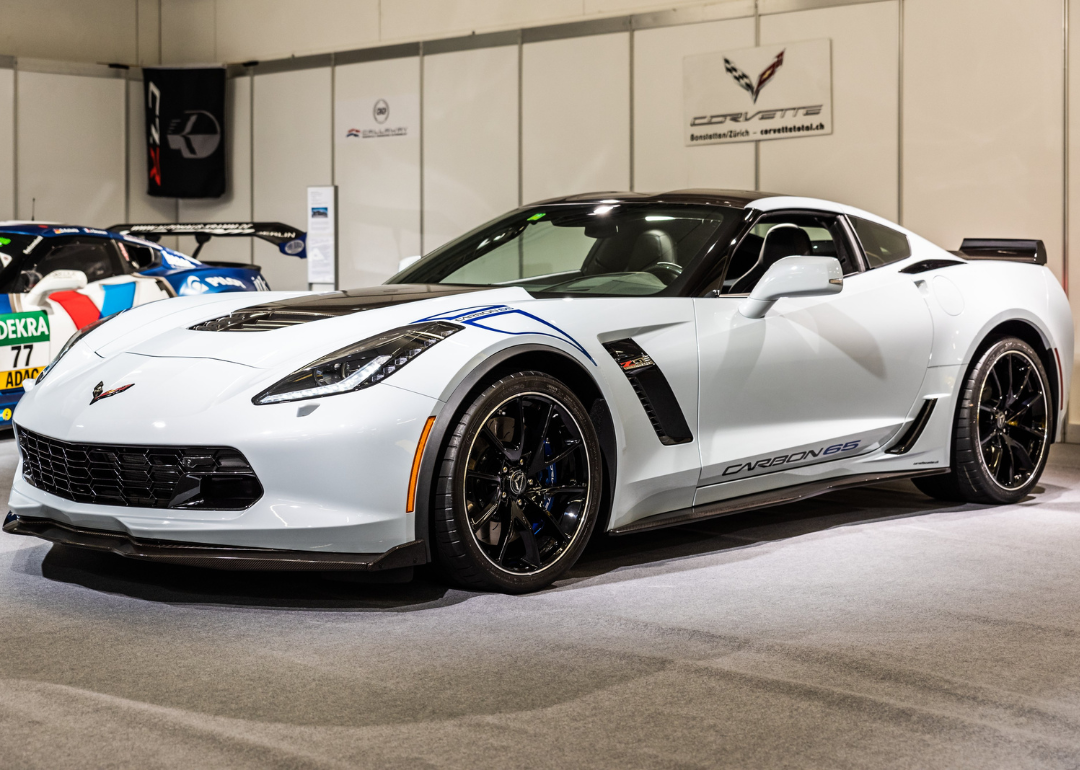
217 478
258 321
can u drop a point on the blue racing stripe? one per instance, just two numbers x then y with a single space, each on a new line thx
118 296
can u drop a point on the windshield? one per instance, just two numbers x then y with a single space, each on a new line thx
604 249
12 246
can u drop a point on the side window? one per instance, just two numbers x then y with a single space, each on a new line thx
786 235
881 244
94 257
135 257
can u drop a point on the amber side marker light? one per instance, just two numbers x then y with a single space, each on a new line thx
410 505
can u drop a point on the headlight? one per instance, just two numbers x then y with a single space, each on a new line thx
72 342
358 366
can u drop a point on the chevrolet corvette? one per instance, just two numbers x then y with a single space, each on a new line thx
612 362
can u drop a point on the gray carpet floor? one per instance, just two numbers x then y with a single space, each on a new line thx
868 628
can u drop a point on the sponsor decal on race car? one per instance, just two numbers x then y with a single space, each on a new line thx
16 377
21 328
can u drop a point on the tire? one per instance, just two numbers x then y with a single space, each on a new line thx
1001 434
519 486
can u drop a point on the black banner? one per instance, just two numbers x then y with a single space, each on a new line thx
185 132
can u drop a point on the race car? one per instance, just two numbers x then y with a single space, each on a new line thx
57 279
608 362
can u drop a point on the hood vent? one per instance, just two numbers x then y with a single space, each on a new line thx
315 307
258 321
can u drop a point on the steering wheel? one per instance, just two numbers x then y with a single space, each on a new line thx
665 271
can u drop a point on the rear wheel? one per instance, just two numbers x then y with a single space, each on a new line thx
519 486
1001 436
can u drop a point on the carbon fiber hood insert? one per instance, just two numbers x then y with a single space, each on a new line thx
315 307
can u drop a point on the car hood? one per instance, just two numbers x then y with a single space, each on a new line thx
305 327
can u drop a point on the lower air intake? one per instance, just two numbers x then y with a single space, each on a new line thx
215 478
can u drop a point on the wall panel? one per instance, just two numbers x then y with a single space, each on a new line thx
142 207
235 204
74 168
983 118
379 178
1074 204
576 116
291 151
470 140
188 32
662 161
415 19
265 29
7 144
857 163
69 30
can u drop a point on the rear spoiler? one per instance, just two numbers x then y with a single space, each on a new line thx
289 240
1010 249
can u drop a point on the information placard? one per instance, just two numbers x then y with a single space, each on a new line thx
322 235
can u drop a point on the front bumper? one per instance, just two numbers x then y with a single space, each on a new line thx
334 471
409 554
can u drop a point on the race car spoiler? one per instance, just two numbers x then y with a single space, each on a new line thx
1010 249
289 240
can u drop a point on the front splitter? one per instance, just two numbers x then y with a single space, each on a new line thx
223 557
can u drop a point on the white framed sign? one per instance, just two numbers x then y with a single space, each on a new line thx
322 234
758 94
379 116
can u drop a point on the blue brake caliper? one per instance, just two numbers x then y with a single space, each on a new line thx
547 477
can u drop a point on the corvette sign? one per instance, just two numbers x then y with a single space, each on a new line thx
773 92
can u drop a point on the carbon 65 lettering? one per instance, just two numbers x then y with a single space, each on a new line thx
794 457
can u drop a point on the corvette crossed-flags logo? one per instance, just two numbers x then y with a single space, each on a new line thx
744 80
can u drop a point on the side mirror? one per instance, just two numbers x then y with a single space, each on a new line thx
794 277
57 280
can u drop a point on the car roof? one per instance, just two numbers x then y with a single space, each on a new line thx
733 198
54 230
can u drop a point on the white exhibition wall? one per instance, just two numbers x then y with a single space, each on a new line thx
575 115
70 134
470 165
949 115
378 179
291 151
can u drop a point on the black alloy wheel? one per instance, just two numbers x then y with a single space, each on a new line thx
520 486
1013 428
1001 438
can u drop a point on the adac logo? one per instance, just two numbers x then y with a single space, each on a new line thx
100 394
744 80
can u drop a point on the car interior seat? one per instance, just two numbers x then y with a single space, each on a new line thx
785 240
650 247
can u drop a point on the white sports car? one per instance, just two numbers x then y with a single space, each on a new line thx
611 361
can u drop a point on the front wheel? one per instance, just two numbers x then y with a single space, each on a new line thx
519 486
1001 437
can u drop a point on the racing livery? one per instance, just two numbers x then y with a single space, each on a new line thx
58 279
607 362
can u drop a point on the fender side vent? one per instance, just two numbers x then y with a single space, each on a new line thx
907 441
653 390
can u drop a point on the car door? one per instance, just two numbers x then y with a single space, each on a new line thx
817 379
